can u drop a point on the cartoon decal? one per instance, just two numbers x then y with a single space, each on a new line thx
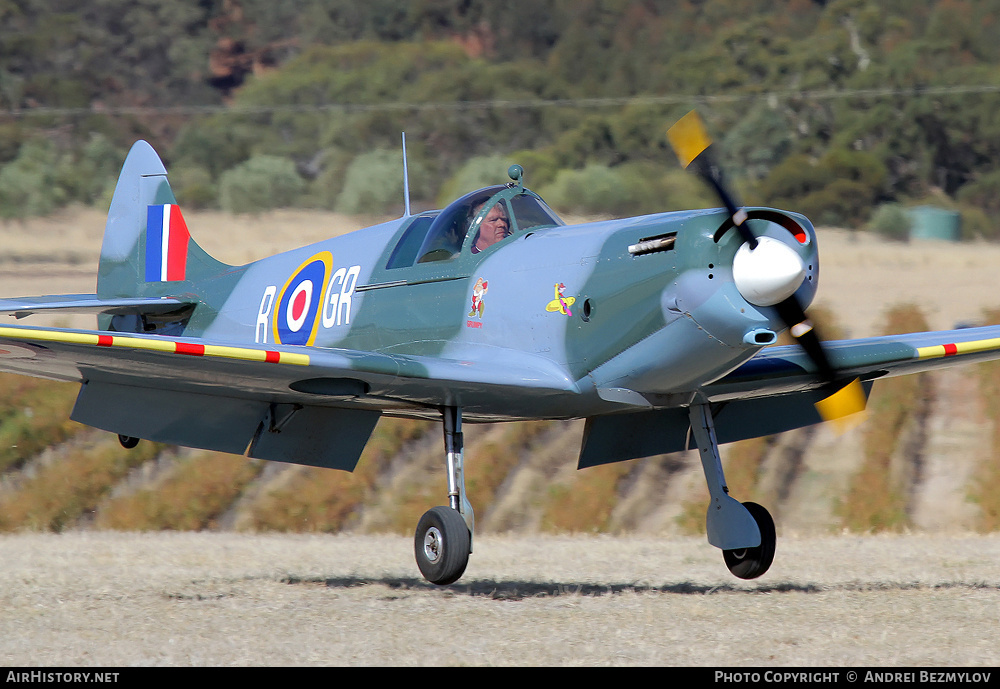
561 303
478 292
314 295
167 240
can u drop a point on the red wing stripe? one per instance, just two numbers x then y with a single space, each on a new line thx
155 344
192 349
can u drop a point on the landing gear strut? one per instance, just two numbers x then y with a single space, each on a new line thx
744 532
443 539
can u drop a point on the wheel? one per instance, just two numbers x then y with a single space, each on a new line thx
441 545
750 563
127 441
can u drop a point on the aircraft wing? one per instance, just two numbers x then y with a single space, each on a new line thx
305 405
777 390
782 369
303 374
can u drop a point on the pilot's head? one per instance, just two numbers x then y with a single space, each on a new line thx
494 227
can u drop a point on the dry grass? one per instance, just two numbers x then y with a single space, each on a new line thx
497 456
985 489
585 504
70 485
191 497
321 500
73 236
34 414
877 497
198 599
862 277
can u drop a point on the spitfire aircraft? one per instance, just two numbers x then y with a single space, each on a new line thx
658 330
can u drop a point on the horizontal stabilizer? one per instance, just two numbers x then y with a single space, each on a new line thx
89 303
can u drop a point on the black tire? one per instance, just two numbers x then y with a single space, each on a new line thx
750 563
127 441
441 545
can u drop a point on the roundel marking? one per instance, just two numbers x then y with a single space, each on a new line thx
298 307
296 310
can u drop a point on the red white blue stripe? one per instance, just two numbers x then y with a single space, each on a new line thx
167 239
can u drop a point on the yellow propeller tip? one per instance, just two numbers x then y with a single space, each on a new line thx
688 137
846 402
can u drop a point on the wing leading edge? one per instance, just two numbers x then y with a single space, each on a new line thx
778 389
293 404
783 369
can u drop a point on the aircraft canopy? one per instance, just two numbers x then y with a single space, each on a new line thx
441 235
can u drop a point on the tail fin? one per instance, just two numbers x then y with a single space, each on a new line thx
147 250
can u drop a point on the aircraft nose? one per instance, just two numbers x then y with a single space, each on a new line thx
768 274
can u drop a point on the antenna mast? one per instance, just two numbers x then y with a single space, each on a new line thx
406 183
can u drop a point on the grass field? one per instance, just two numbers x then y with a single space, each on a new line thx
199 599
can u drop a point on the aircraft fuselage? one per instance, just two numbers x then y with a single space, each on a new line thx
617 321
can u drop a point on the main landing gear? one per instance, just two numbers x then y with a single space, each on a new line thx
744 531
443 540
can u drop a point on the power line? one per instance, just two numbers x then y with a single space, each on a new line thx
516 104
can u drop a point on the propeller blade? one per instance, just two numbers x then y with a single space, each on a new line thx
850 399
693 146
843 400
691 143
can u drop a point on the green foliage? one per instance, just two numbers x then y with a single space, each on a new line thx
373 183
891 221
837 189
810 102
32 184
584 505
983 193
215 144
262 183
758 142
976 224
41 178
477 172
630 189
193 186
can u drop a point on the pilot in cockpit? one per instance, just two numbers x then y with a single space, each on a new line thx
494 227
